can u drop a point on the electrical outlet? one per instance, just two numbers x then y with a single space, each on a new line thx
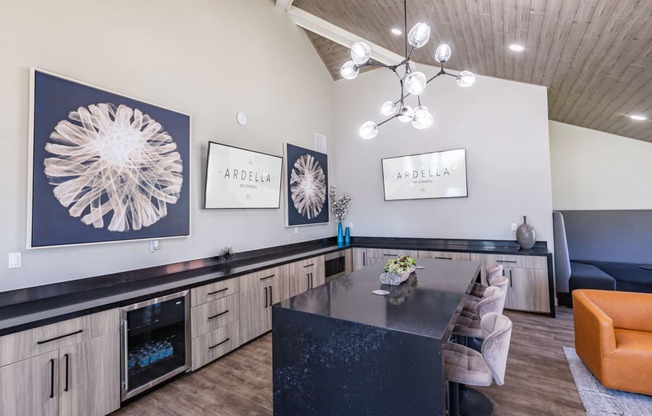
351 225
153 246
513 226
15 260
296 230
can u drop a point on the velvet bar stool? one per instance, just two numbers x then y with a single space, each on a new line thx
471 303
492 271
463 365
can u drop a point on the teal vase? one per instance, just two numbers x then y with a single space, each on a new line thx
340 236
347 237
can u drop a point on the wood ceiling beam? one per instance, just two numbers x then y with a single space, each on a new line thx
284 4
338 35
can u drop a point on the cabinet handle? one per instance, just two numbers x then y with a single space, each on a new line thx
217 291
51 378
506 261
308 278
67 356
444 258
309 265
364 259
267 277
390 255
219 314
271 296
59 337
265 296
125 337
219 343
510 278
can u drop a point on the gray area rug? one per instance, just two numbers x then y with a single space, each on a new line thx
599 400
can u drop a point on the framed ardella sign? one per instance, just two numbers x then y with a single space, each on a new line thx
240 178
426 175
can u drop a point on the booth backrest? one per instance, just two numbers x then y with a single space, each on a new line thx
622 236
562 259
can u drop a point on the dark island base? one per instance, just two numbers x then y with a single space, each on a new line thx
325 366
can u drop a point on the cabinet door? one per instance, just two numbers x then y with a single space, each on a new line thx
306 274
527 290
89 377
29 387
299 279
359 257
444 255
318 276
348 260
256 299
254 312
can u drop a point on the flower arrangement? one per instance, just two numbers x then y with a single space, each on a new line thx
398 270
400 265
339 206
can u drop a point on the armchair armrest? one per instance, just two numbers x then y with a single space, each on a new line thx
594 331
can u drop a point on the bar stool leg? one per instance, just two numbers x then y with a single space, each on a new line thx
453 399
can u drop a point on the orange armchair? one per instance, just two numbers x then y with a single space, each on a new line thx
613 337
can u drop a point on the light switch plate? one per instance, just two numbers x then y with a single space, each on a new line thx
15 260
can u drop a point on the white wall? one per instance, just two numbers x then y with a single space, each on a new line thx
502 125
205 58
592 170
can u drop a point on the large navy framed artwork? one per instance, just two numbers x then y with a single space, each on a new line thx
104 167
306 176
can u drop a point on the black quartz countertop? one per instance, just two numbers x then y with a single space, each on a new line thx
31 307
423 305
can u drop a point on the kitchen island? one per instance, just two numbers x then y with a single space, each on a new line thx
338 349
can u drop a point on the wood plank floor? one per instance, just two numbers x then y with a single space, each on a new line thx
538 380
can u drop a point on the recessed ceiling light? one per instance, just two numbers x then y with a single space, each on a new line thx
516 47
396 31
637 117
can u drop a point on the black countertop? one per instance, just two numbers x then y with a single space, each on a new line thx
423 305
31 307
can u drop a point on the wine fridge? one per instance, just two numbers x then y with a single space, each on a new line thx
155 342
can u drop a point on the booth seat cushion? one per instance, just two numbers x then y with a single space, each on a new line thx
613 337
588 276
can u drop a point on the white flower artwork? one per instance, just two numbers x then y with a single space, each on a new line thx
308 186
117 160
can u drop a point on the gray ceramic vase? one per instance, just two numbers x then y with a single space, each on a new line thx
526 235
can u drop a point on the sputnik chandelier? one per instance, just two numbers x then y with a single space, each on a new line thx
411 82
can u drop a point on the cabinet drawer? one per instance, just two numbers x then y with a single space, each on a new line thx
388 253
213 291
528 262
33 342
212 315
444 255
213 345
262 278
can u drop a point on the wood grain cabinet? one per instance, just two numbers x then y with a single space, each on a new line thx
528 288
306 274
445 255
214 320
67 368
381 255
358 258
258 292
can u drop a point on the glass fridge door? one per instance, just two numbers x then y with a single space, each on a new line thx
155 342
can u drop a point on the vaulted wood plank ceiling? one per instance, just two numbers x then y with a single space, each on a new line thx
595 55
